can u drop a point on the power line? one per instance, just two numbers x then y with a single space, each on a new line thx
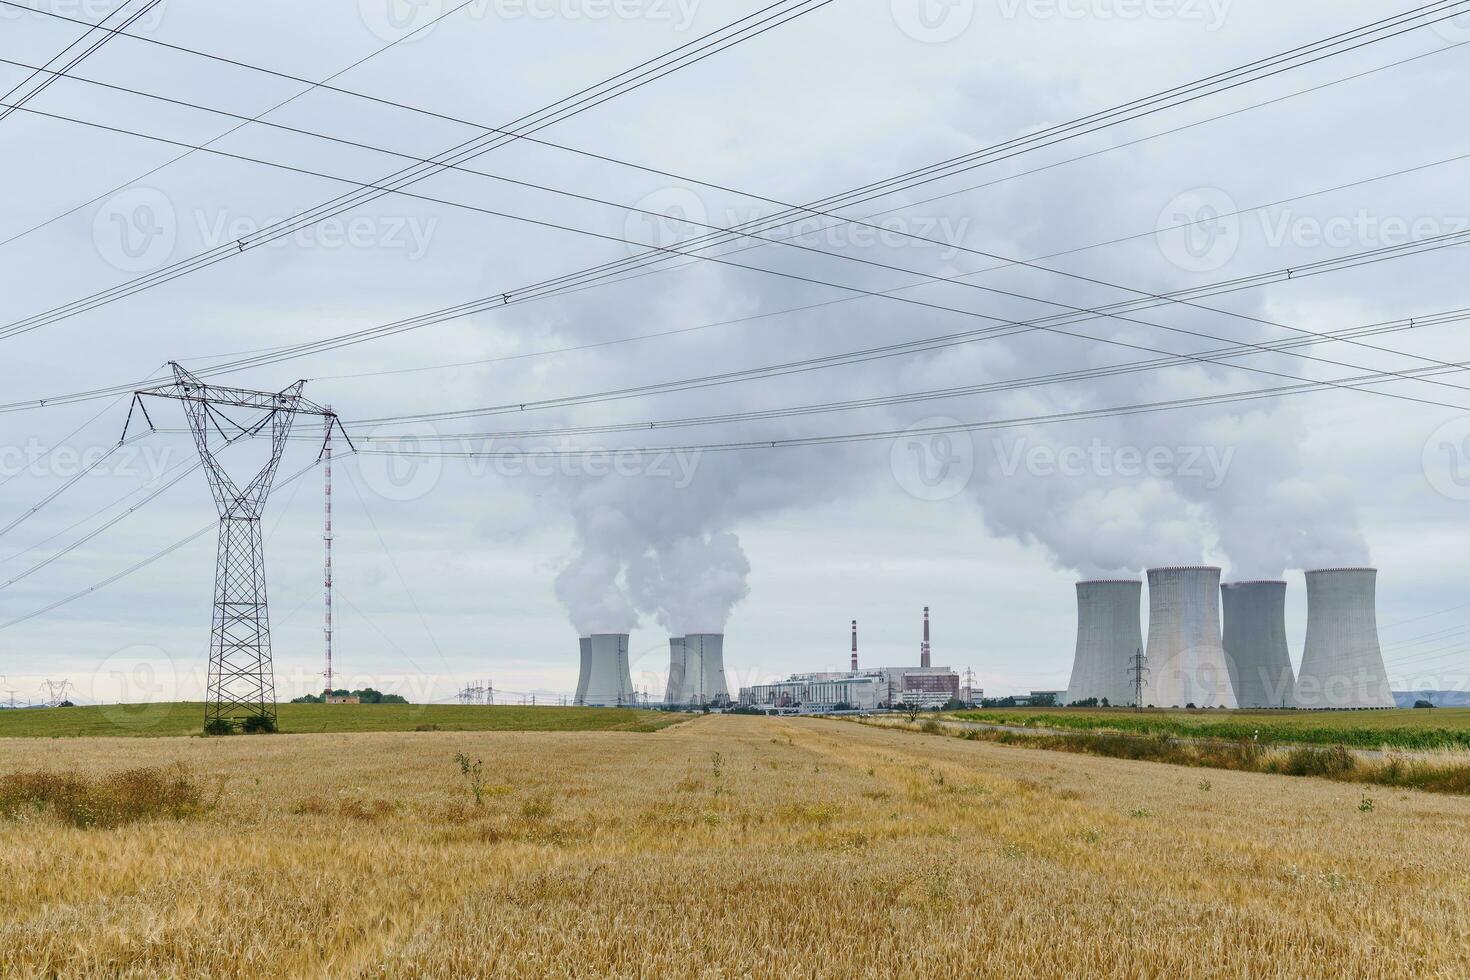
52 76
1104 371
780 241
274 355
1167 298
212 526
1136 408
629 80
311 86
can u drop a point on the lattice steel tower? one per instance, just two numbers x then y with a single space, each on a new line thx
241 678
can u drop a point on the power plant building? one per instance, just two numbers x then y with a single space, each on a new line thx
880 687
1255 643
1342 663
1186 660
606 680
1109 638
697 670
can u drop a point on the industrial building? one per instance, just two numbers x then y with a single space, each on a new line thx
1342 663
1255 643
878 687
697 670
1109 638
605 680
1186 660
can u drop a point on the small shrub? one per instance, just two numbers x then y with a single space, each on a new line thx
259 725
219 726
931 727
426 728
1365 805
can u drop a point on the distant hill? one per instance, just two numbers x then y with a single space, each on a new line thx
1440 699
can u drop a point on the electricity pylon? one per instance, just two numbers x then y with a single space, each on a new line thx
241 676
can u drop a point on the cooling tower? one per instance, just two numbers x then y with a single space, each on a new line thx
585 643
1108 638
704 669
608 680
1255 643
674 691
1186 663
1342 665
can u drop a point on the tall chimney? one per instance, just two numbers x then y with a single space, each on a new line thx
924 647
854 646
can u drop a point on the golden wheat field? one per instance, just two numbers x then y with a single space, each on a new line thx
723 847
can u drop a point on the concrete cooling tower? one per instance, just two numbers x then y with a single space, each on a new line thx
585 643
1342 665
674 690
608 681
1186 663
1255 643
1108 638
704 669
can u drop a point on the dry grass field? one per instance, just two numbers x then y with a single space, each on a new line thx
725 847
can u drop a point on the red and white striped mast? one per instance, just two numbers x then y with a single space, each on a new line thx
924 646
327 541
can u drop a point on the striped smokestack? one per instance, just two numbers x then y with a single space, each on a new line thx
854 646
924 647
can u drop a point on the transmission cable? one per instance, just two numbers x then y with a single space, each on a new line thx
629 80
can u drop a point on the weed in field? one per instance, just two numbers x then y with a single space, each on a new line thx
105 801
474 775
1365 805
537 808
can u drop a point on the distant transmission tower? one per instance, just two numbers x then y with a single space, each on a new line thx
241 676
1138 670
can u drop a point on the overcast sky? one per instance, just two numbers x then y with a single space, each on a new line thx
449 570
